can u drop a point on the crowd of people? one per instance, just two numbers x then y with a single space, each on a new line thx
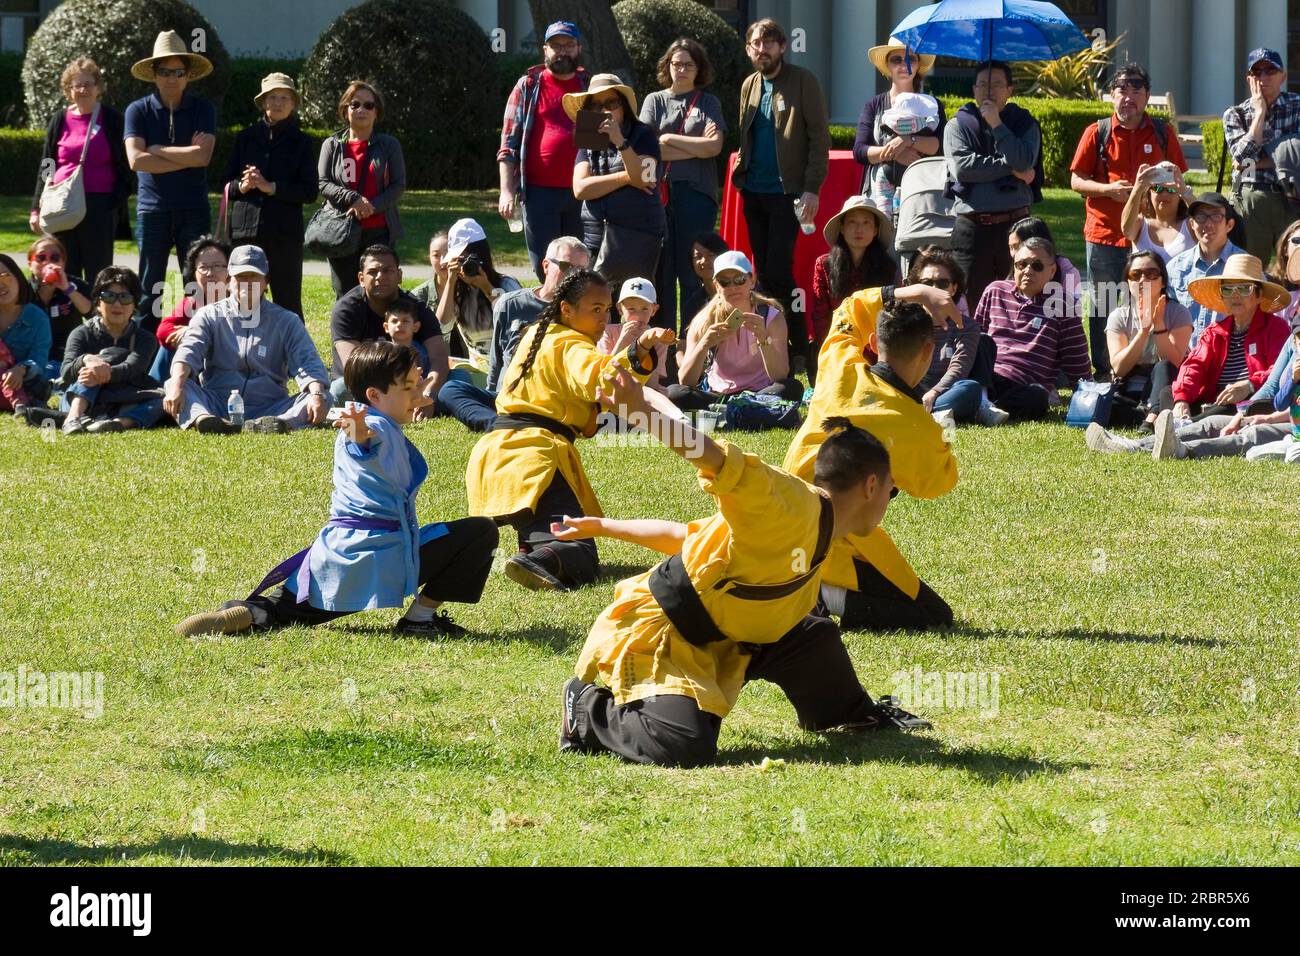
642 311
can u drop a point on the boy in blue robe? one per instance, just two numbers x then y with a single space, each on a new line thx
373 552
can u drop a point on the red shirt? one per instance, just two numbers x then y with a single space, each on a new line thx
179 318
550 152
1126 150
369 187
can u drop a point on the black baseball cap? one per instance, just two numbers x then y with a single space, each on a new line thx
1217 200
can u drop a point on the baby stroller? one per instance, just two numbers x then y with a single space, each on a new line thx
925 216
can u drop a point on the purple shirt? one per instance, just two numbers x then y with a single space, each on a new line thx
1035 337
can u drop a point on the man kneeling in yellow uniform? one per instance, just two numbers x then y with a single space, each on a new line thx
732 603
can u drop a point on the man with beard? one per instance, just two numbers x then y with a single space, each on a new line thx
1103 171
537 153
784 153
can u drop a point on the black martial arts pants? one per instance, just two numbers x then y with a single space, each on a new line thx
879 605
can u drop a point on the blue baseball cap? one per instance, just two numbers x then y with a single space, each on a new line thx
1264 53
248 259
563 28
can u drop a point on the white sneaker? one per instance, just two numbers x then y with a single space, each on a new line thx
991 416
1167 444
1098 439
944 418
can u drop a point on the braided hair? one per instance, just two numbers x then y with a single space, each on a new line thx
571 290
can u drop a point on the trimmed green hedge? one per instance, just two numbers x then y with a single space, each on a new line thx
246 74
13 111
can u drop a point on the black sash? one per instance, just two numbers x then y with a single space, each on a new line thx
526 420
681 603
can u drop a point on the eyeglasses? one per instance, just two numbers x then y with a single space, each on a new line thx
732 283
563 266
943 284
999 85
1129 87
84 84
210 268
175 74
1237 288
608 104
1165 190
47 257
758 44
1138 274
1022 264
119 298
361 105
684 65
1257 72
1204 218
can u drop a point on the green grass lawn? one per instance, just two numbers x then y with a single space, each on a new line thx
1136 613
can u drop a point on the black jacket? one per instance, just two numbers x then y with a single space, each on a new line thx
286 157
123 176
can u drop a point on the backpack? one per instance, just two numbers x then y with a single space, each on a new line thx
751 412
1103 137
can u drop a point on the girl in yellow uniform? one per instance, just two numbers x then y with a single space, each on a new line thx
868 583
526 471
729 606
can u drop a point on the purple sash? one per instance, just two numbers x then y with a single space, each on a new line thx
298 563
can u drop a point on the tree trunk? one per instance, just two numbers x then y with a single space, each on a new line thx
602 45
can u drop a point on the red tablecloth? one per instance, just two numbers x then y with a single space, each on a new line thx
843 179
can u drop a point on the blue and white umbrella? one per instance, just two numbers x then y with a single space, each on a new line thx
985 30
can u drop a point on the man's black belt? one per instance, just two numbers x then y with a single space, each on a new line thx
996 218
674 592
525 420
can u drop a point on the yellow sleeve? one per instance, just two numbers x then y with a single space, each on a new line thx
584 366
922 463
753 496
841 363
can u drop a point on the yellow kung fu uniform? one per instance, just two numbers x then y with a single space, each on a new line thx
766 534
921 461
510 469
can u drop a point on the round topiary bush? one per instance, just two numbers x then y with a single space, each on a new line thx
433 65
115 34
648 26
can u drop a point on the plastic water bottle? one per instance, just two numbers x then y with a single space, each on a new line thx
516 220
805 225
235 408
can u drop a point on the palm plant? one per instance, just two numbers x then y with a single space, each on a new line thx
1075 77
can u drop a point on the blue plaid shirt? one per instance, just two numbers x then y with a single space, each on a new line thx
1188 266
1283 121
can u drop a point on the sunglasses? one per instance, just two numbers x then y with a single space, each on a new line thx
1168 190
47 257
563 266
1022 264
1138 274
1266 71
119 298
175 74
361 105
728 283
607 104
944 284
1237 288
1294 240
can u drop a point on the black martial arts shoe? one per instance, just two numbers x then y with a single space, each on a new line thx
533 571
36 415
893 716
570 742
440 625
212 425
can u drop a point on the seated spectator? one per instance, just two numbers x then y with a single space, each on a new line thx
428 291
205 277
24 343
1067 275
1212 218
1147 337
62 296
705 247
1155 216
105 376
402 325
737 343
1285 269
473 287
474 407
961 366
1286 404
358 316
860 237
248 345
623 220
634 313
1033 331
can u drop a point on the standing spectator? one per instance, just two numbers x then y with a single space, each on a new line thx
270 176
170 135
1103 171
1036 340
24 343
690 125
106 175
63 297
105 374
995 163
1212 219
473 288
1155 216
860 237
623 220
428 292
873 146
784 154
205 276
536 157
1252 129
363 174
249 345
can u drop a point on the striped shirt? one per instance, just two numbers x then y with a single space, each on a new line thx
1234 366
1035 337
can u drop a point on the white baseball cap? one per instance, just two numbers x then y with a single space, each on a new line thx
461 234
638 289
732 260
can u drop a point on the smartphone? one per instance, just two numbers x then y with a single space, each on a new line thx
586 130
734 318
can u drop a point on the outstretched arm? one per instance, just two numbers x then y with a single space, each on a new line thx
624 395
665 537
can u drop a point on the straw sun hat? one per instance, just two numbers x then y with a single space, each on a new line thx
884 225
879 56
169 44
599 84
1239 268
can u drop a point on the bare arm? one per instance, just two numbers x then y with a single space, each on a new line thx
622 394
587 186
666 537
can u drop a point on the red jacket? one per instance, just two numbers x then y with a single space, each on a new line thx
1198 378
178 319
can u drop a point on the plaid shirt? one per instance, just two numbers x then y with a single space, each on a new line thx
517 123
1282 121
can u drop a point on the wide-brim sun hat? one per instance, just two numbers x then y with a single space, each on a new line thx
1239 268
600 83
276 81
884 225
169 44
879 56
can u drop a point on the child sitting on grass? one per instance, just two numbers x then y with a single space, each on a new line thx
373 552
401 323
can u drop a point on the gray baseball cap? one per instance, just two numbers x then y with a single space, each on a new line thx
247 259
